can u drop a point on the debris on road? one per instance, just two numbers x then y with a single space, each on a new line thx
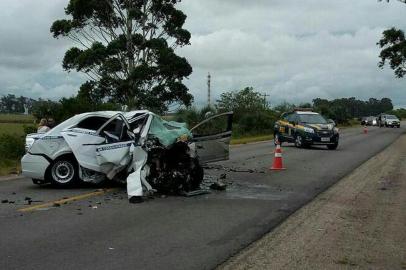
195 193
231 169
218 186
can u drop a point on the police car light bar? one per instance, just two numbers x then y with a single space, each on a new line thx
303 109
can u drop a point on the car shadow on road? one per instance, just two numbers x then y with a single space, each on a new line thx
312 147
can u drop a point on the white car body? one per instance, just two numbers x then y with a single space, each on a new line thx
105 143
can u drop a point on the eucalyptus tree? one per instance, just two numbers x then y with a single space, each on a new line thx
127 50
393 45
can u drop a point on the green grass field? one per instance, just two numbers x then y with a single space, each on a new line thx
13 124
251 139
16 118
12 128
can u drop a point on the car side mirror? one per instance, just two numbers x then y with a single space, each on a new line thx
331 121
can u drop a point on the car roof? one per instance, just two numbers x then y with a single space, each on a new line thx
112 113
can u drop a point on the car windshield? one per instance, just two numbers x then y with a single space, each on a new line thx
67 123
312 119
391 117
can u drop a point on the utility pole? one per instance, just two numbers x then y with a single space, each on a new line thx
208 89
265 95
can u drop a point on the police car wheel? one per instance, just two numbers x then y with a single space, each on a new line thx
277 138
298 141
63 172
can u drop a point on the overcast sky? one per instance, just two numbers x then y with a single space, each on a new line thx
292 50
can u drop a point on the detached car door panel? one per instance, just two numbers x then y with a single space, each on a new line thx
101 150
83 143
115 152
212 138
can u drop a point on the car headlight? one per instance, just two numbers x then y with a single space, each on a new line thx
308 130
28 143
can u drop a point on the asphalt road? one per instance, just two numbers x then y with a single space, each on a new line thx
106 232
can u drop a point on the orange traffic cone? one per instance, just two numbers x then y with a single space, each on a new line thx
277 161
365 130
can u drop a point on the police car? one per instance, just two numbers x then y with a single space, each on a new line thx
305 128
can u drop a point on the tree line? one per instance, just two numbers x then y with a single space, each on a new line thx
343 109
254 116
14 104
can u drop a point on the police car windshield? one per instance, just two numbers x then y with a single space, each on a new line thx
312 119
391 117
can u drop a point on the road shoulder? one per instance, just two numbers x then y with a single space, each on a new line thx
358 223
11 177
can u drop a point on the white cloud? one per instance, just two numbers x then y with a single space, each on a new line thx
293 50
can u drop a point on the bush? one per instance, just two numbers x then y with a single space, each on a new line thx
193 116
255 123
12 146
29 129
252 123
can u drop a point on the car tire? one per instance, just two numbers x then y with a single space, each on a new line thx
299 141
332 146
63 172
277 137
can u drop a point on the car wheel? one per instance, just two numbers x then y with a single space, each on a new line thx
299 141
63 172
332 146
277 138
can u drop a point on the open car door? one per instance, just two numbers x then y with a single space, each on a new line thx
212 137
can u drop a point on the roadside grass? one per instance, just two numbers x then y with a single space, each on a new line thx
16 118
251 139
12 135
8 166
12 128
351 123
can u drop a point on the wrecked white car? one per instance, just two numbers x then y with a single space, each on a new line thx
136 147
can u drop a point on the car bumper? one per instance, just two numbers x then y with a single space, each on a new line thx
393 124
34 166
318 140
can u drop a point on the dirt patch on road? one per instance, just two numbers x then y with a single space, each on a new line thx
359 223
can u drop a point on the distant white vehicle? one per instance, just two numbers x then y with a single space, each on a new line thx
391 121
138 147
